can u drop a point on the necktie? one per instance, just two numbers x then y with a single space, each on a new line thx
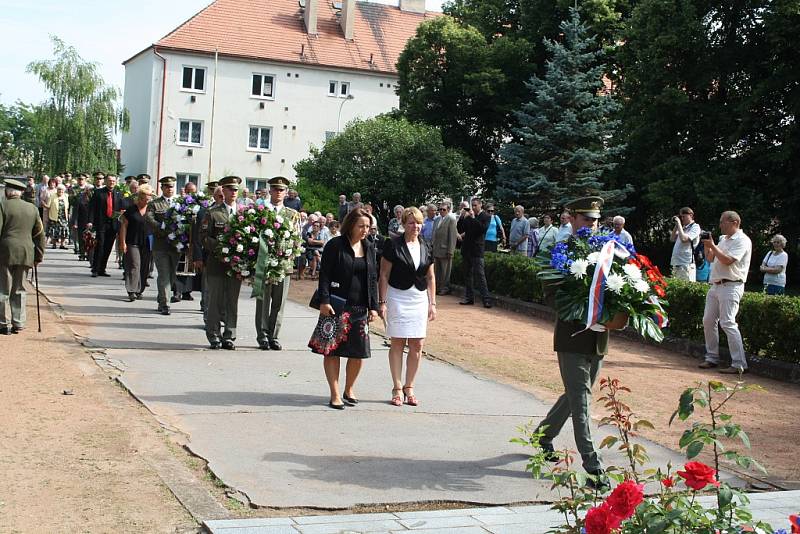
109 204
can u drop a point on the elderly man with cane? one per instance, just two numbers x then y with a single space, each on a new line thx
22 243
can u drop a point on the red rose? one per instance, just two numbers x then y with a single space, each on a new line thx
601 520
668 482
698 475
625 498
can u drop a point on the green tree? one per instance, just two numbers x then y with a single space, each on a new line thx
78 121
317 196
389 161
567 136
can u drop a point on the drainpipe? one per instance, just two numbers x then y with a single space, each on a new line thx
161 115
213 108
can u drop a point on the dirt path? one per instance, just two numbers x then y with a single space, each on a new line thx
517 349
75 462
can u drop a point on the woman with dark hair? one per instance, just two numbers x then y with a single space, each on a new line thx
348 296
408 301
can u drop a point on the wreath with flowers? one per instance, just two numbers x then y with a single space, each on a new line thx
598 279
180 218
259 239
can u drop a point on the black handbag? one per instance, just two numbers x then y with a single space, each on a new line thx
336 301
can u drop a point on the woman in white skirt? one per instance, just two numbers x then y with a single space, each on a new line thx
407 300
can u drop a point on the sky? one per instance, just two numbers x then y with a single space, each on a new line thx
105 32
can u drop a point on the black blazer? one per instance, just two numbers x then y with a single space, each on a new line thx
336 271
97 208
474 229
403 274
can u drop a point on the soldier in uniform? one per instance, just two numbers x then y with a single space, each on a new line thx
143 179
165 256
223 290
271 297
580 357
22 243
199 255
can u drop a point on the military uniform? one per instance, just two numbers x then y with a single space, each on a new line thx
22 243
271 298
165 256
580 358
198 252
223 290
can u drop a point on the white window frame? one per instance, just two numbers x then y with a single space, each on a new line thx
263 96
258 148
344 86
189 142
194 68
182 178
257 183
335 92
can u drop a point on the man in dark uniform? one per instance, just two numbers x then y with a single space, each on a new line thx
143 179
199 255
80 213
270 297
22 243
104 204
165 256
580 358
223 290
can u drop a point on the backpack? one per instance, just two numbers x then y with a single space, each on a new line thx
699 254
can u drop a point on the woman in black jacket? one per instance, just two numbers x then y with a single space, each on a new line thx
348 291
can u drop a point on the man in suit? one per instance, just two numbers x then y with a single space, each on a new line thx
580 358
445 235
105 203
22 244
165 256
199 255
473 224
270 297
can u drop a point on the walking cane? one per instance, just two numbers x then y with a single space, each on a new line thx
38 310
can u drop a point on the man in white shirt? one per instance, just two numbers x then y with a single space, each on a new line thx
730 262
565 230
685 235
625 237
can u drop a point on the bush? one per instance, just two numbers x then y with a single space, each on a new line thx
317 196
767 323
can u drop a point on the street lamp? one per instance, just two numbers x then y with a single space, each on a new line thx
339 120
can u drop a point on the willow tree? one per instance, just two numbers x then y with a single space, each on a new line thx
81 115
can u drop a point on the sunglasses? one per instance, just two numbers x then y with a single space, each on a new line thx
490 211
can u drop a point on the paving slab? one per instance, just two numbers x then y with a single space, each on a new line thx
260 418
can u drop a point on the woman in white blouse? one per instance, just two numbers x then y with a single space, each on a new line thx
774 266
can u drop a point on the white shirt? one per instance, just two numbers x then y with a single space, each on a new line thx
564 231
682 252
776 259
414 250
738 247
231 210
625 237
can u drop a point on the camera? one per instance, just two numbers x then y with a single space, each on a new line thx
705 235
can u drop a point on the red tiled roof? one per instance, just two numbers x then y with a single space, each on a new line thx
274 30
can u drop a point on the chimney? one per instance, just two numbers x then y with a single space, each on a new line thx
348 18
310 16
412 6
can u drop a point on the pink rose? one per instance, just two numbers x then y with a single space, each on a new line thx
241 219
251 252
277 225
263 220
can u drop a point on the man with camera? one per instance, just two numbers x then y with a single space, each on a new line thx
685 235
473 224
730 262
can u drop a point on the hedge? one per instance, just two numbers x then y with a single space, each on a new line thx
768 323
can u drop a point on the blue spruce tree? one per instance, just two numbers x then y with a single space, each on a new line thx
565 141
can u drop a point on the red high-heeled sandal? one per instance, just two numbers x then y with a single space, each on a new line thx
396 400
411 400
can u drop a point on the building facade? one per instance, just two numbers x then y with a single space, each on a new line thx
246 87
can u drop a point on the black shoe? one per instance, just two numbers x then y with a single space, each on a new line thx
274 345
598 481
466 302
336 406
187 296
174 299
350 400
138 296
549 452
131 297
707 365
227 344
263 345
215 345
4 331
103 274
94 275
487 303
164 310
16 329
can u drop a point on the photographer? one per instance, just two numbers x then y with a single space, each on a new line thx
730 261
685 235
473 224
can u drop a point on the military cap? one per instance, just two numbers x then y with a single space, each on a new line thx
212 184
279 182
15 184
167 180
129 178
98 173
230 181
587 206
143 178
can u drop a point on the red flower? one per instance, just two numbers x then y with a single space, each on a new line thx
698 475
668 482
601 520
645 260
625 498
660 291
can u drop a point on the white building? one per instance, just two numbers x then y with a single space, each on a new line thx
245 87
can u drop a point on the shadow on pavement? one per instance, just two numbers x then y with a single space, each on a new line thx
240 398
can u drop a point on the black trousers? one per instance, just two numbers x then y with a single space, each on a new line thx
474 274
103 247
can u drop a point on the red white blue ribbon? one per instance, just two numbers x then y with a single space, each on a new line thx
660 316
598 285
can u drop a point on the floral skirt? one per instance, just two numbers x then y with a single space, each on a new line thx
344 336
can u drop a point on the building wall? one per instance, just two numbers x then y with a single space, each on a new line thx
300 114
142 100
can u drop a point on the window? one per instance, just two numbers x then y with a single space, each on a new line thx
338 88
344 89
191 133
333 88
194 79
254 184
185 177
329 135
260 138
263 86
